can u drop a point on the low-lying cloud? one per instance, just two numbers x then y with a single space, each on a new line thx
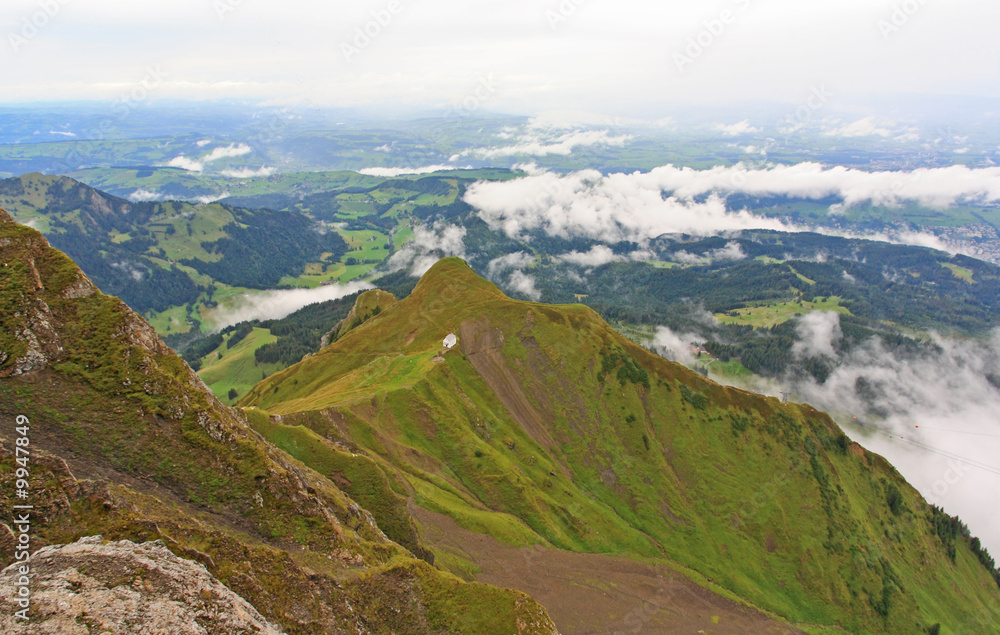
597 256
670 199
210 198
226 152
428 245
248 173
222 152
731 251
736 129
933 414
541 142
866 127
392 172
185 163
677 347
525 285
502 264
609 208
817 333
144 196
272 305
516 280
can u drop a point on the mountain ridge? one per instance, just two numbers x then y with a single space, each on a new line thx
129 444
547 427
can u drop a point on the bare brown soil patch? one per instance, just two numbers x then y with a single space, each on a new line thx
587 594
481 345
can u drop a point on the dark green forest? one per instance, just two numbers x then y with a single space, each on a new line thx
263 246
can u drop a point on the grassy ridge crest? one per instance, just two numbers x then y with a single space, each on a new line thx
547 415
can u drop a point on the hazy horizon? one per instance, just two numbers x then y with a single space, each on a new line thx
632 58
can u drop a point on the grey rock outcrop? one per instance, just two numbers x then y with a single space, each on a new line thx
123 587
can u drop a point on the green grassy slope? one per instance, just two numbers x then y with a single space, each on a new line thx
235 368
545 425
127 443
368 305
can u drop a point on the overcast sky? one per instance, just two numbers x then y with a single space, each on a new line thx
626 56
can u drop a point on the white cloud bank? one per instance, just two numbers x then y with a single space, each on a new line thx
731 251
817 333
543 141
933 415
428 245
516 260
391 172
185 163
597 256
144 196
866 127
669 199
247 173
676 347
272 305
222 152
210 198
226 152
736 129
607 208
518 280
525 285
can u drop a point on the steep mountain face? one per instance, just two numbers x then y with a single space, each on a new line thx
127 442
548 435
